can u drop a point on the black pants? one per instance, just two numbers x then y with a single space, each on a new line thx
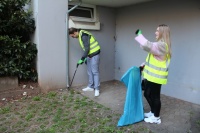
152 95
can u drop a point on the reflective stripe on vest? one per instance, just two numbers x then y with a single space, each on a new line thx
94 46
156 71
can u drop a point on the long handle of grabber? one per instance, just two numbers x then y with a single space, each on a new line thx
74 75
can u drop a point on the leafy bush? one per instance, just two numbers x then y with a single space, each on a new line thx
17 53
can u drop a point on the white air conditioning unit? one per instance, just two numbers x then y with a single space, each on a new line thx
84 16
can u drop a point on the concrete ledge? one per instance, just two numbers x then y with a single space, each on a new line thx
8 83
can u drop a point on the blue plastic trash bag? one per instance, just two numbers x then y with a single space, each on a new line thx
133 107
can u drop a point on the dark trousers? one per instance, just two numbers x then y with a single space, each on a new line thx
152 95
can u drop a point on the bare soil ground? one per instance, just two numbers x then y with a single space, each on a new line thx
24 89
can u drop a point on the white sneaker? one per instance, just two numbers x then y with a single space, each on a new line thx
148 114
153 119
88 89
96 93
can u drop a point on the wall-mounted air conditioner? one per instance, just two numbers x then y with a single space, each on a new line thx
84 16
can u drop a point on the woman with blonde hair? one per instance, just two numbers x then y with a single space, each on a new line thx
155 69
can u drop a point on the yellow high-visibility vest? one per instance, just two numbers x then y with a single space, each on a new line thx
156 71
94 46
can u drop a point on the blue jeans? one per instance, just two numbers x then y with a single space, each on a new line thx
93 71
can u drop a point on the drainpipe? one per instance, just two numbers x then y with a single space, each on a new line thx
67 38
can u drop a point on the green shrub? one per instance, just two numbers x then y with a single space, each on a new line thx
17 53
17 59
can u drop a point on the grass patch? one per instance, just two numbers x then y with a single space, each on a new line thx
29 116
51 94
3 129
198 123
4 110
59 112
36 98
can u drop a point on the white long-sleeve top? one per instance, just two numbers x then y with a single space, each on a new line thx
158 49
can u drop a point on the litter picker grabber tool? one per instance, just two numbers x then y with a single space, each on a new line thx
73 76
